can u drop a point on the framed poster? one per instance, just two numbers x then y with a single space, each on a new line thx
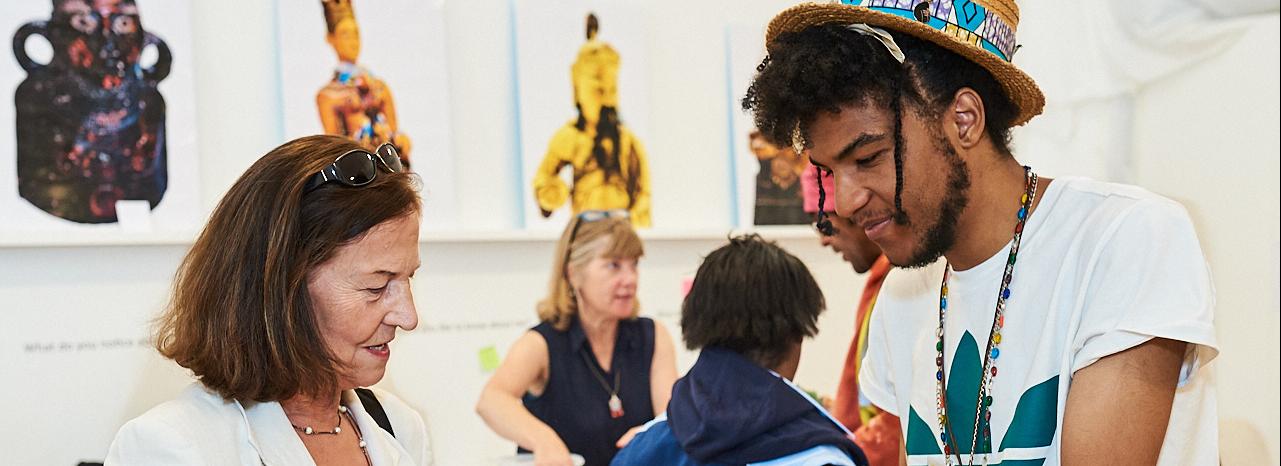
374 71
768 184
101 118
583 109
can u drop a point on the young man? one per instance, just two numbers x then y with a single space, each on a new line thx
1068 317
875 431
749 309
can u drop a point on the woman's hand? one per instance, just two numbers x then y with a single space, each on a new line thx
553 454
627 437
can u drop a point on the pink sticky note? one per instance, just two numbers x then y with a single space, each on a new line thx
686 284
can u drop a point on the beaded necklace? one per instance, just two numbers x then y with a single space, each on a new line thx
308 430
992 353
342 412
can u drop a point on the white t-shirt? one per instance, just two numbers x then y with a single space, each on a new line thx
1102 268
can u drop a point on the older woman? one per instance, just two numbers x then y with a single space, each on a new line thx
287 302
592 372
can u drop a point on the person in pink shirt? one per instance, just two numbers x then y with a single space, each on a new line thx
876 432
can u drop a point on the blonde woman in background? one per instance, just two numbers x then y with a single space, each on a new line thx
591 372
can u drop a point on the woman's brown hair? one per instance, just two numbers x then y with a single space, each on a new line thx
241 316
581 242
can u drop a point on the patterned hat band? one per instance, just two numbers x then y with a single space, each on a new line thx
964 20
981 31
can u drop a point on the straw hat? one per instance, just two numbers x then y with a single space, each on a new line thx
980 30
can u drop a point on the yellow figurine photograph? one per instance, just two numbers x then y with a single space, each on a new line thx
608 163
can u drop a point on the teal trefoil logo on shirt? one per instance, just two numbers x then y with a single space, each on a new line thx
1035 416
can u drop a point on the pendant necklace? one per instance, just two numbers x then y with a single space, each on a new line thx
615 404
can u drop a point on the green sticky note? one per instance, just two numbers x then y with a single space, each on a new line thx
488 358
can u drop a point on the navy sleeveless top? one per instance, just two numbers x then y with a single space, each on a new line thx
576 405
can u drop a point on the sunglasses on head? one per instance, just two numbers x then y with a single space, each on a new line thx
588 216
358 167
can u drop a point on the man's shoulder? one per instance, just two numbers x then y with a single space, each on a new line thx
905 292
907 284
1097 209
1109 201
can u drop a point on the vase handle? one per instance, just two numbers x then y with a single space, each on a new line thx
164 59
20 44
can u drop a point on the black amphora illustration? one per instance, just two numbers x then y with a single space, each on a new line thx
91 122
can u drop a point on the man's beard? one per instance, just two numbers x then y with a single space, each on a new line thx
941 236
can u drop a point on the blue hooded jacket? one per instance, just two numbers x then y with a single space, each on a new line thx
728 410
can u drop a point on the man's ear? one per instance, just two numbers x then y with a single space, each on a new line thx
965 119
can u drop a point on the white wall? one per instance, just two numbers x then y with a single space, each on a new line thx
1214 148
64 403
